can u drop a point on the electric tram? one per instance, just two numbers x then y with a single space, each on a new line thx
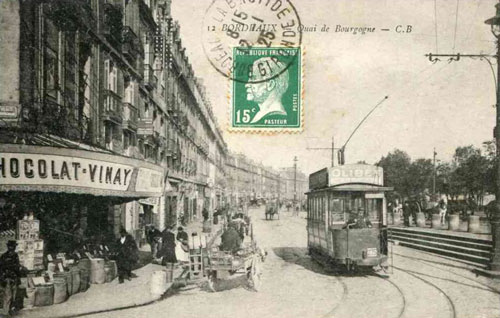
347 216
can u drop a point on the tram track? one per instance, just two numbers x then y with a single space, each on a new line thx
451 305
403 297
425 262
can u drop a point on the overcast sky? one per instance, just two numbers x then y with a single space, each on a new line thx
442 105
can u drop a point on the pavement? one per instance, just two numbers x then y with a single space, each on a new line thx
293 285
113 296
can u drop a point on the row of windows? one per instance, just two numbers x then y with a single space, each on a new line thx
341 208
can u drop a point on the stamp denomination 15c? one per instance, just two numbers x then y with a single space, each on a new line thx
266 90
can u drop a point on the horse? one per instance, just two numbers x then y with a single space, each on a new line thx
271 211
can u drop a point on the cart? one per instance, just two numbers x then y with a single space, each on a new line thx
219 265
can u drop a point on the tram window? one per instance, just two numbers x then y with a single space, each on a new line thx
336 210
374 209
323 201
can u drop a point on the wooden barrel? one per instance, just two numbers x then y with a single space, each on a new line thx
158 283
69 282
436 221
113 271
474 223
479 225
44 295
75 273
60 289
85 264
84 279
108 270
454 222
97 274
420 219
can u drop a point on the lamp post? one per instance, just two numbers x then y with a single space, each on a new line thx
494 22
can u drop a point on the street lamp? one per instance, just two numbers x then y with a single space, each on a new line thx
494 23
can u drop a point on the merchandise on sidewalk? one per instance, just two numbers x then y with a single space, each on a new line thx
53 278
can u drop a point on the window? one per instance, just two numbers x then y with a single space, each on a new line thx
51 63
336 210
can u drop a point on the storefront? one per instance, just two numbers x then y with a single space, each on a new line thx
77 194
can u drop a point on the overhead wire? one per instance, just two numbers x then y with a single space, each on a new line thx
456 26
436 25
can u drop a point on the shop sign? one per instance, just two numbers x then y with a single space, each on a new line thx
365 174
56 170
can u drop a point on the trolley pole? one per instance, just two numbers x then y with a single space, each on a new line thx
494 23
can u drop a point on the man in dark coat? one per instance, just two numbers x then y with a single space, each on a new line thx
231 241
168 246
127 255
406 213
10 271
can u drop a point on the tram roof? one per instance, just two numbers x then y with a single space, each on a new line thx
353 187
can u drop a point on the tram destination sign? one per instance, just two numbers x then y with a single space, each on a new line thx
318 179
359 173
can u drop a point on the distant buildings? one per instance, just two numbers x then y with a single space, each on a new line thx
104 123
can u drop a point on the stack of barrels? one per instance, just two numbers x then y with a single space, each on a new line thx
77 279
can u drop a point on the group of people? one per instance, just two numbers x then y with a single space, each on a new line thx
171 247
411 208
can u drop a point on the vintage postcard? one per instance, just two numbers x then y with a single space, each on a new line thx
249 158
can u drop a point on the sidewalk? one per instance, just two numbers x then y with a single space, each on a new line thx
112 296
103 297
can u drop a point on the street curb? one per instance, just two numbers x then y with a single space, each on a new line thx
487 273
169 292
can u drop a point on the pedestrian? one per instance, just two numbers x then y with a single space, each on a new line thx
297 208
10 272
127 255
442 211
231 241
153 236
406 213
167 251
182 250
413 209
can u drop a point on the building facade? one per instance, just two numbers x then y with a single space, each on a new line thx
107 82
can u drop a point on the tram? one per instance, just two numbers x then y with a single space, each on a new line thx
347 216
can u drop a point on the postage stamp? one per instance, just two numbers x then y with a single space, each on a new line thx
266 89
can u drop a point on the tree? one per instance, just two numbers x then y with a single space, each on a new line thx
396 166
419 177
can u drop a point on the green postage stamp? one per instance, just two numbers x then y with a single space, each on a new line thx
266 92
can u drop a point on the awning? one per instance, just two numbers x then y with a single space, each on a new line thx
63 166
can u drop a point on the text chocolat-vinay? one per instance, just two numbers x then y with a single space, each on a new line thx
63 170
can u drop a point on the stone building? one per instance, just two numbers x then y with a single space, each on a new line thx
102 120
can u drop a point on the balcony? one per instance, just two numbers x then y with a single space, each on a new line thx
145 126
131 45
130 114
150 79
112 107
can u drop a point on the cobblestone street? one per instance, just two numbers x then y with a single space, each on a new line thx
421 285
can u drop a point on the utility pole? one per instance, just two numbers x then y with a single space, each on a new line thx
332 148
295 180
434 173
494 23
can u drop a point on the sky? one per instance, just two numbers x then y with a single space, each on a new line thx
442 105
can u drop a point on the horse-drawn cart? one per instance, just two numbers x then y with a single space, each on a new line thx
220 265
